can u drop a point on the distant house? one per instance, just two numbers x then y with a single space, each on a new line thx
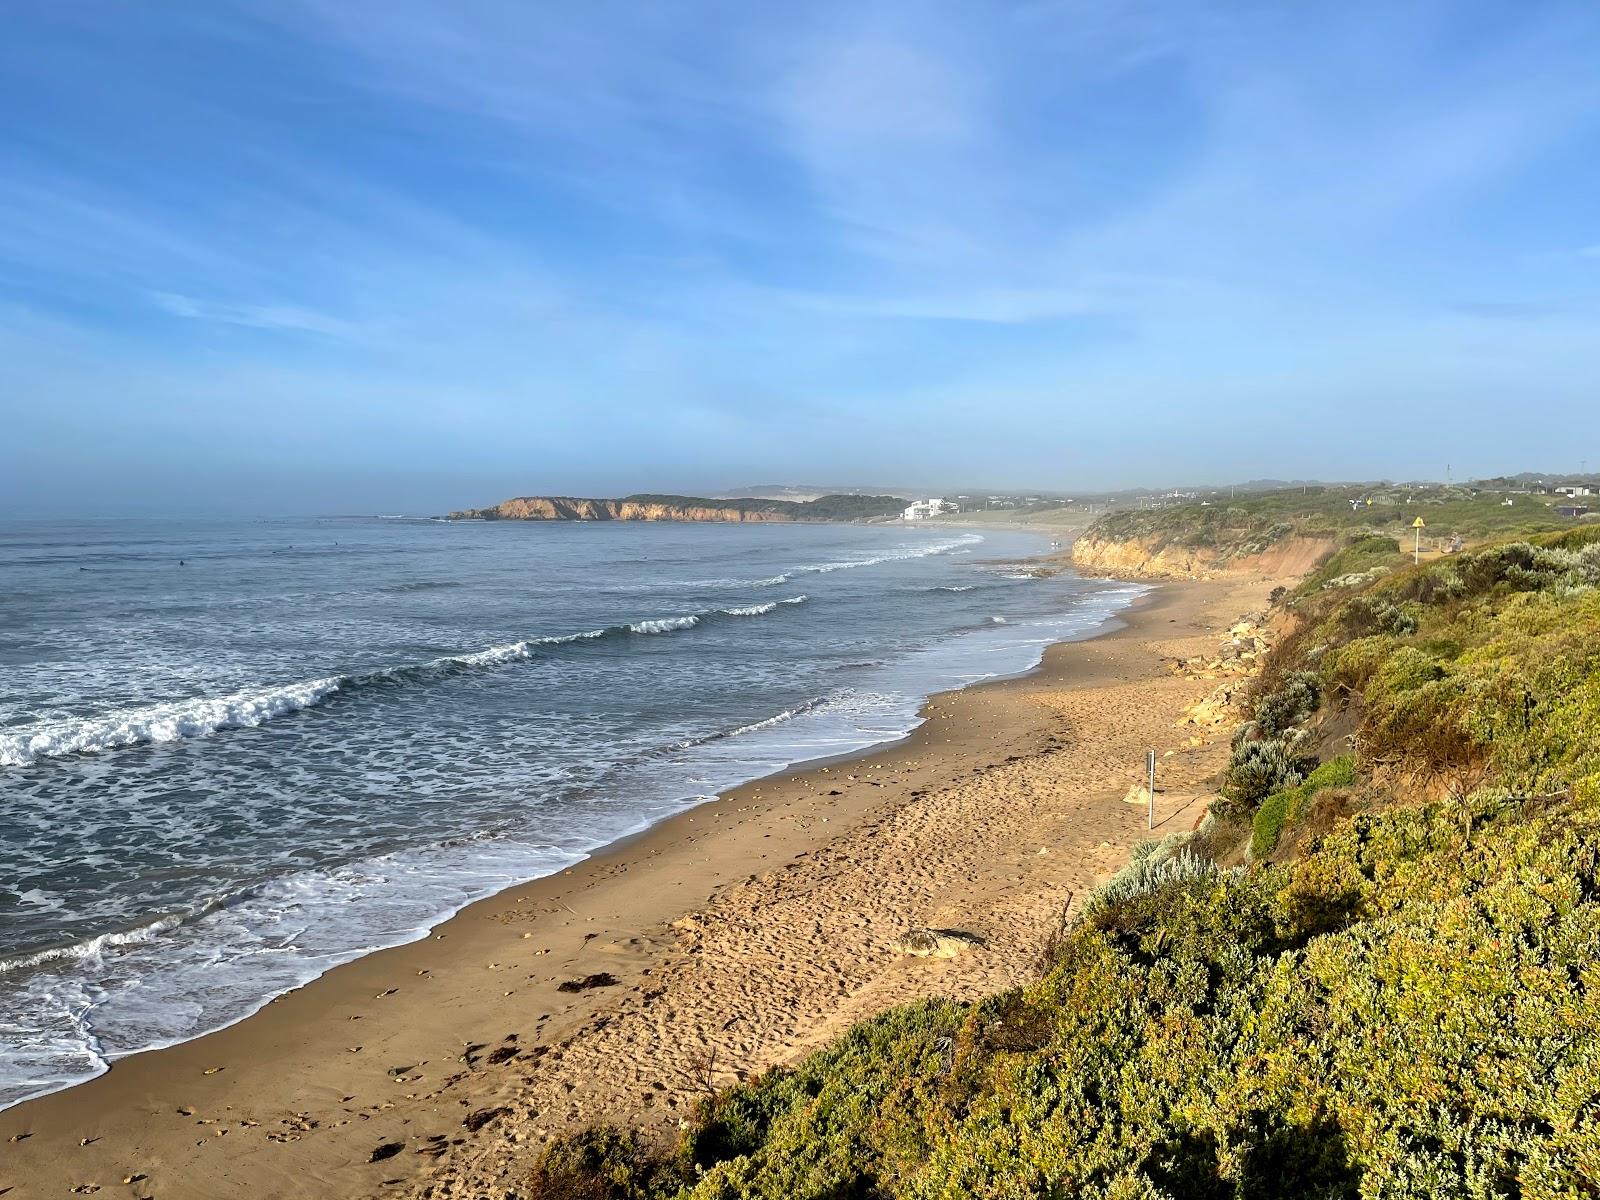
1572 510
923 509
1574 490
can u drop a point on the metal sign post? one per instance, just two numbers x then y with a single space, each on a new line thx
1416 550
1150 763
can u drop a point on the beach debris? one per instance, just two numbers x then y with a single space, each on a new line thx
476 1121
502 1054
19 1137
598 980
936 943
87 1141
127 1179
386 1150
389 992
397 1071
213 1070
84 1189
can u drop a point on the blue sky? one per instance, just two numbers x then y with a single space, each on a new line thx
341 255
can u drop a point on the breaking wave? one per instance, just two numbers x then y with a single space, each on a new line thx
944 546
91 947
163 722
664 625
760 610
180 720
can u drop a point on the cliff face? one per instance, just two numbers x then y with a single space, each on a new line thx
574 508
1158 557
684 508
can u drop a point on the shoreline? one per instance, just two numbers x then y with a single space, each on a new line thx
318 1078
557 857
580 854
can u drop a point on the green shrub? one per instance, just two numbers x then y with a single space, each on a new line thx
1364 615
1352 666
1363 559
1396 1014
1405 669
1281 808
1259 768
1295 699
1155 865
1573 566
602 1163
1269 821
1336 772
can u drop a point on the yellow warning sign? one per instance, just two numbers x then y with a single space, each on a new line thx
1417 524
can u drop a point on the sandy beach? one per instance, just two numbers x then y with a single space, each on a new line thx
723 941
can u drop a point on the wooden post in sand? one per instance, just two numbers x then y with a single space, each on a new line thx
1150 763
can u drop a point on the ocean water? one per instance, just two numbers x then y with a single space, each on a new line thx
233 755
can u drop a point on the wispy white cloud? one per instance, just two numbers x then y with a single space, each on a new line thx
777 219
253 316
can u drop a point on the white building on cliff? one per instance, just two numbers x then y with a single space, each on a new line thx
923 509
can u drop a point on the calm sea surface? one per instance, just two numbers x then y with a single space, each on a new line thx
233 755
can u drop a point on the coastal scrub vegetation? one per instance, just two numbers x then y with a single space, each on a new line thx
1371 522
1373 971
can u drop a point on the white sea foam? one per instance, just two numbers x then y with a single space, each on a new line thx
760 610
751 610
82 1006
91 947
510 652
898 554
162 722
664 625
175 720
567 639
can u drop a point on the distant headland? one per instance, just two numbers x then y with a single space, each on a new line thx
650 507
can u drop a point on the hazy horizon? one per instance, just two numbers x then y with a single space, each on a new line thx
318 257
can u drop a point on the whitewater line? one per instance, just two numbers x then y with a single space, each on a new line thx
181 720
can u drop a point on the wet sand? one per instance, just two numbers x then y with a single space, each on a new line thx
720 942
